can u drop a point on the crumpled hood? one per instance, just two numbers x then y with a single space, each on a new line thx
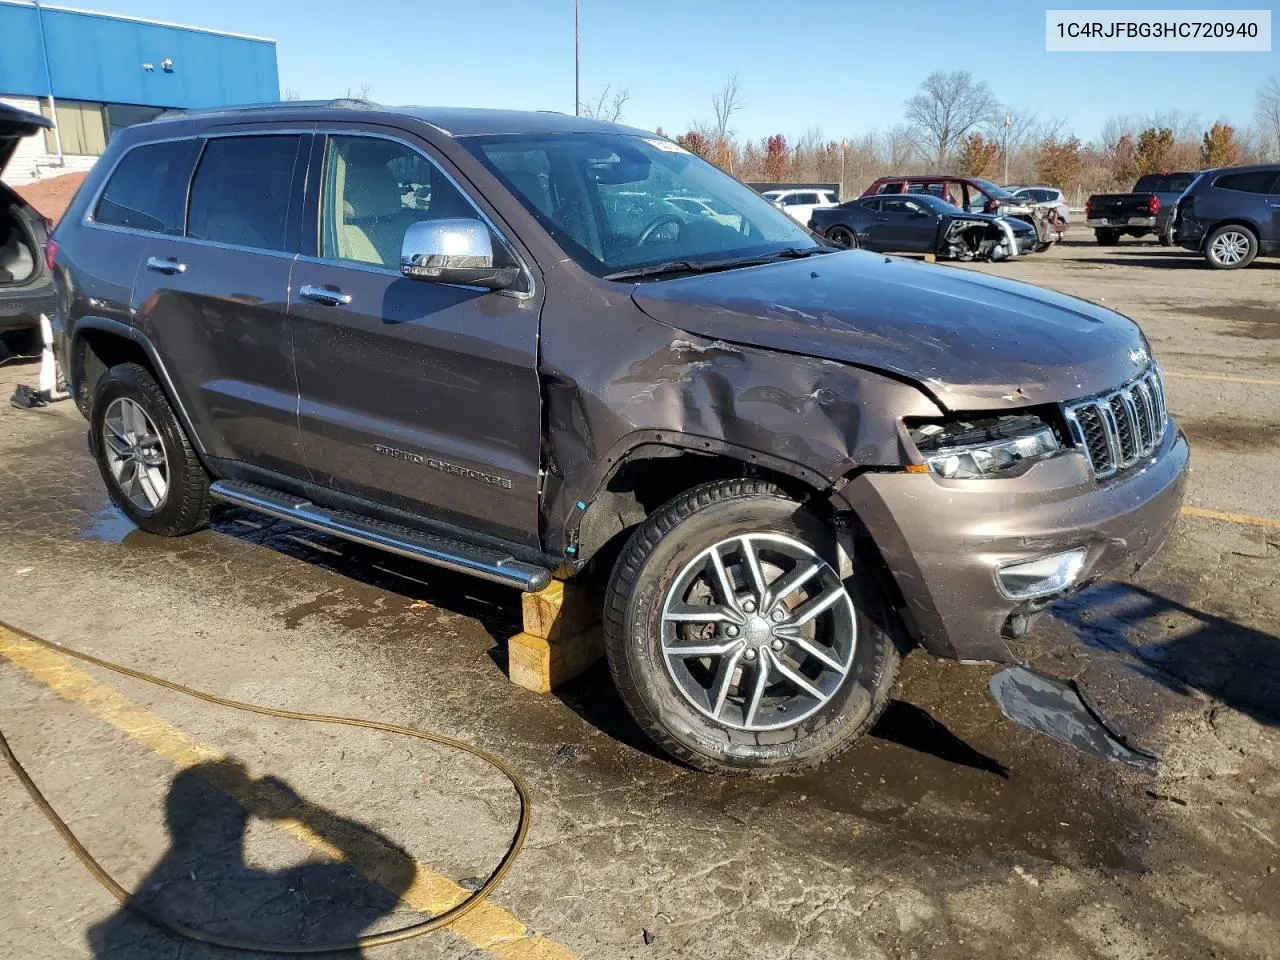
974 341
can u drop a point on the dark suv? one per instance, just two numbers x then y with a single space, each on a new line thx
486 339
1231 215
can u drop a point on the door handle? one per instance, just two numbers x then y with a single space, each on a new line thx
882 219
169 266
329 297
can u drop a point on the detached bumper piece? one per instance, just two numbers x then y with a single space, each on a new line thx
1061 711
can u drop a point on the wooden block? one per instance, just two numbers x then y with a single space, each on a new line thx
930 258
559 611
541 665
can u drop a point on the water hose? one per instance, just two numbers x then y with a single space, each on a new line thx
370 940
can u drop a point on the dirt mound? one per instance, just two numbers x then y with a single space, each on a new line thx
52 197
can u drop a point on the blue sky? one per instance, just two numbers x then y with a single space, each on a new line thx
841 66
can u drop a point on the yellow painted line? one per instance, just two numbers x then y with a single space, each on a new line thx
1221 377
488 927
1230 517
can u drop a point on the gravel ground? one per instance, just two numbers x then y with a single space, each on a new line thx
947 833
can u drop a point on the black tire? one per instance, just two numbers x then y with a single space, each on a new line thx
843 237
1247 238
651 561
1107 238
185 505
1166 235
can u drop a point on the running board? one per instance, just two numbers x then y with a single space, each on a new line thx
484 562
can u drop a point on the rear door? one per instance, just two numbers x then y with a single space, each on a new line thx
214 300
420 396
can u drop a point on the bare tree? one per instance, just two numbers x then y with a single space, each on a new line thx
947 107
361 94
291 93
725 104
1268 109
605 108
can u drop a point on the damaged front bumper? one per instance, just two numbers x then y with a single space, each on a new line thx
946 541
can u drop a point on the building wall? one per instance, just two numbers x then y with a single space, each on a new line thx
109 60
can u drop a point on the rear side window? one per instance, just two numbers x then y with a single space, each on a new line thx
1163 182
241 191
148 187
1256 181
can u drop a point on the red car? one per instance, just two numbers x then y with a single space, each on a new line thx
973 195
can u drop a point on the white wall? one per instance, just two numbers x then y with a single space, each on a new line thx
31 161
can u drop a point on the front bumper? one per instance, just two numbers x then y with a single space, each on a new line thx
944 539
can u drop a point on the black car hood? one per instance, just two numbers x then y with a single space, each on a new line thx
974 341
14 125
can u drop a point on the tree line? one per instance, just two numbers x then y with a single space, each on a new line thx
955 124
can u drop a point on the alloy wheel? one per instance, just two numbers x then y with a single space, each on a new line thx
758 632
135 454
1230 247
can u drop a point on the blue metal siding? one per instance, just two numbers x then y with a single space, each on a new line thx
100 58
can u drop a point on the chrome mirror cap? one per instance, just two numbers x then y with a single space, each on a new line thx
456 250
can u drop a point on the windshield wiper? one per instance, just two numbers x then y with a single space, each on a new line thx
672 267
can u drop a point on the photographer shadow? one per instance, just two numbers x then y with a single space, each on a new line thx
205 882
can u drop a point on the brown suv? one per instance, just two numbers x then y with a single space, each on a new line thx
491 341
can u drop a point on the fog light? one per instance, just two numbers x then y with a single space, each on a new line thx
1028 579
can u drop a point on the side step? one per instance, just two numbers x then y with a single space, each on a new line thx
483 562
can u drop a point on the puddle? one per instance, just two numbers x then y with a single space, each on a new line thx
1257 321
109 525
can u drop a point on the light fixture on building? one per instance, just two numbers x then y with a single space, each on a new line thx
149 67
167 65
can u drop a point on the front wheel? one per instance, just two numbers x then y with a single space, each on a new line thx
843 237
732 639
1231 247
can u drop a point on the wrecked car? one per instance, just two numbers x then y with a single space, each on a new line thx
26 288
784 464
975 195
923 223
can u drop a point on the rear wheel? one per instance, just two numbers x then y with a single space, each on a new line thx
144 456
1166 235
1107 238
732 639
1231 247
843 237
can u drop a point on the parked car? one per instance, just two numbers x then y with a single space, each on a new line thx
1148 210
800 204
776 454
1048 198
922 223
972 195
706 207
1232 215
26 287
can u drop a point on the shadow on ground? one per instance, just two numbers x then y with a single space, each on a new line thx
204 881
1226 660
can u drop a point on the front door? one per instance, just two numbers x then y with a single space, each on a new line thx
419 396
214 299
905 225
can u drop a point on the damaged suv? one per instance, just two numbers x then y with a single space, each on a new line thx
26 291
426 330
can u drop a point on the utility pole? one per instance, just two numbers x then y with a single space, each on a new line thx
577 74
1008 122
48 79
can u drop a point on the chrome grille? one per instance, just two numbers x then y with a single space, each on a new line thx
1119 428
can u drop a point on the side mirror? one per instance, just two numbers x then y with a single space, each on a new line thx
458 250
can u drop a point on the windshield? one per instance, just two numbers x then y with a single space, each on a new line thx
991 190
615 202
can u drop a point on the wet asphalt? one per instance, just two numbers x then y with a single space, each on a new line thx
948 832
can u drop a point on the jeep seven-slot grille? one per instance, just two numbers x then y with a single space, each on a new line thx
1119 428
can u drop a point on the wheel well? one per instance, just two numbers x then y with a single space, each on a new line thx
651 475
94 353
1233 222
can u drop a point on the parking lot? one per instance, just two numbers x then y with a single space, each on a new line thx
949 832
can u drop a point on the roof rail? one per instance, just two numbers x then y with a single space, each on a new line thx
340 102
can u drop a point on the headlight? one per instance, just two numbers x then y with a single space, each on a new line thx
990 447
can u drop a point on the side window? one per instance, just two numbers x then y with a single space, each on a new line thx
147 189
241 191
1256 181
872 205
373 190
791 199
894 206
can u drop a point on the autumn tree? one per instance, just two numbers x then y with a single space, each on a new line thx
948 106
695 142
1152 153
1120 159
1058 162
1220 148
775 158
976 154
